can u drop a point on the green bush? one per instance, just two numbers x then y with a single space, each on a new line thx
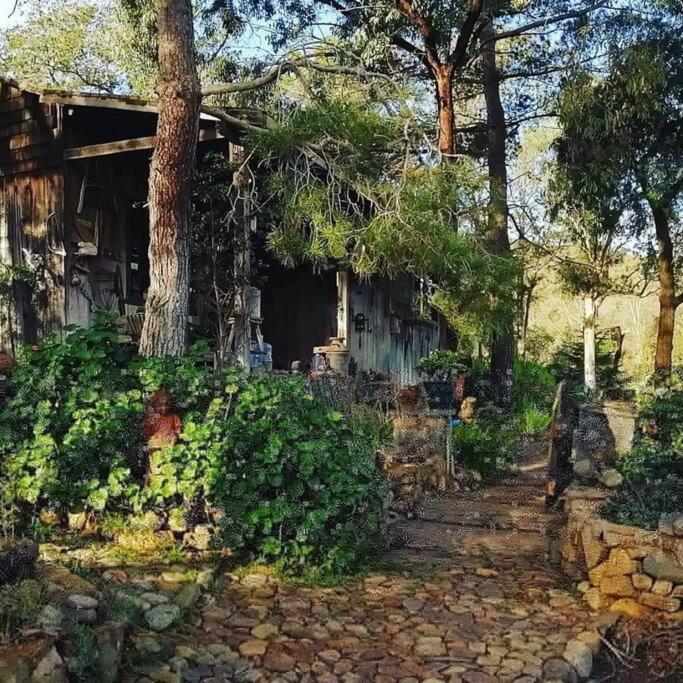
299 484
653 470
20 605
487 445
70 434
441 364
298 481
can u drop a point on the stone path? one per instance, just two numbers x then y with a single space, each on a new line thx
471 596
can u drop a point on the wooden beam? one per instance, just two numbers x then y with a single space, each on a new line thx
132 145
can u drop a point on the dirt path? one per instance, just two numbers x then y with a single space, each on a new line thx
471 595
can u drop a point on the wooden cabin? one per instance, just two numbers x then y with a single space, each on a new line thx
74 235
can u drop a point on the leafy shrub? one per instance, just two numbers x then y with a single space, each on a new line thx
487 446
567 362
20 605
297 480
441 364
653 485
299 483
70 434
653 470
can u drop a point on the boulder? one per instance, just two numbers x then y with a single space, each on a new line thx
559 669
662 566
611 478
50 669
162 616
580 656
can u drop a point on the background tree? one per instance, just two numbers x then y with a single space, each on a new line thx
633 118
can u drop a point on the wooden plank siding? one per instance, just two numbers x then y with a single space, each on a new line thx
31 215
376 347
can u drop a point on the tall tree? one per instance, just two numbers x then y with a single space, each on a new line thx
632 123
166 308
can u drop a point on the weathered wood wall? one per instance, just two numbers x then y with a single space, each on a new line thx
379 347
31 215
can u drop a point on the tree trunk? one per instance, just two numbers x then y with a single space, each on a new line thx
170 174
502 347
443 78
589 372
667 295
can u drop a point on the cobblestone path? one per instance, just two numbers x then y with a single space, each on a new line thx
471 596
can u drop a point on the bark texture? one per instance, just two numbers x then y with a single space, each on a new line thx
589 372
668 301
502 347
164 329
443 78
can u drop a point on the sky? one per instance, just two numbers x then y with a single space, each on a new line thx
6 7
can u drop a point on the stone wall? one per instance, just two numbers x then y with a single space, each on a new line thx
620 567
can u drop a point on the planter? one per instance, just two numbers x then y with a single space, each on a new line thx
438 394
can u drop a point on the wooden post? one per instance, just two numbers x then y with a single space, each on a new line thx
242 263
343 305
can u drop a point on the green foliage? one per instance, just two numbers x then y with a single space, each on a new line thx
653 470
299 484
487 445
298 481
70 434
83 653
567 362
20 605
441 363
361 199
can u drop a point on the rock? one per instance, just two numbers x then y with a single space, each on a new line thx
583 586
629 608
109 638
561 670
660 602
677 592
154 599
253 648
678 525
82 602
619 586
585 469
666 522
188 596
76 520
265 631
662 587
413 604
429 646
618 563
611 478
50 620
162 616
276 658
50 669
580 656
641 582
199 538
662 566
478 677
593 549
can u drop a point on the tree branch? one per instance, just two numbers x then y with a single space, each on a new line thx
548 21
459 54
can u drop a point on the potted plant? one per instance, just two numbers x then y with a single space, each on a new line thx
440 370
